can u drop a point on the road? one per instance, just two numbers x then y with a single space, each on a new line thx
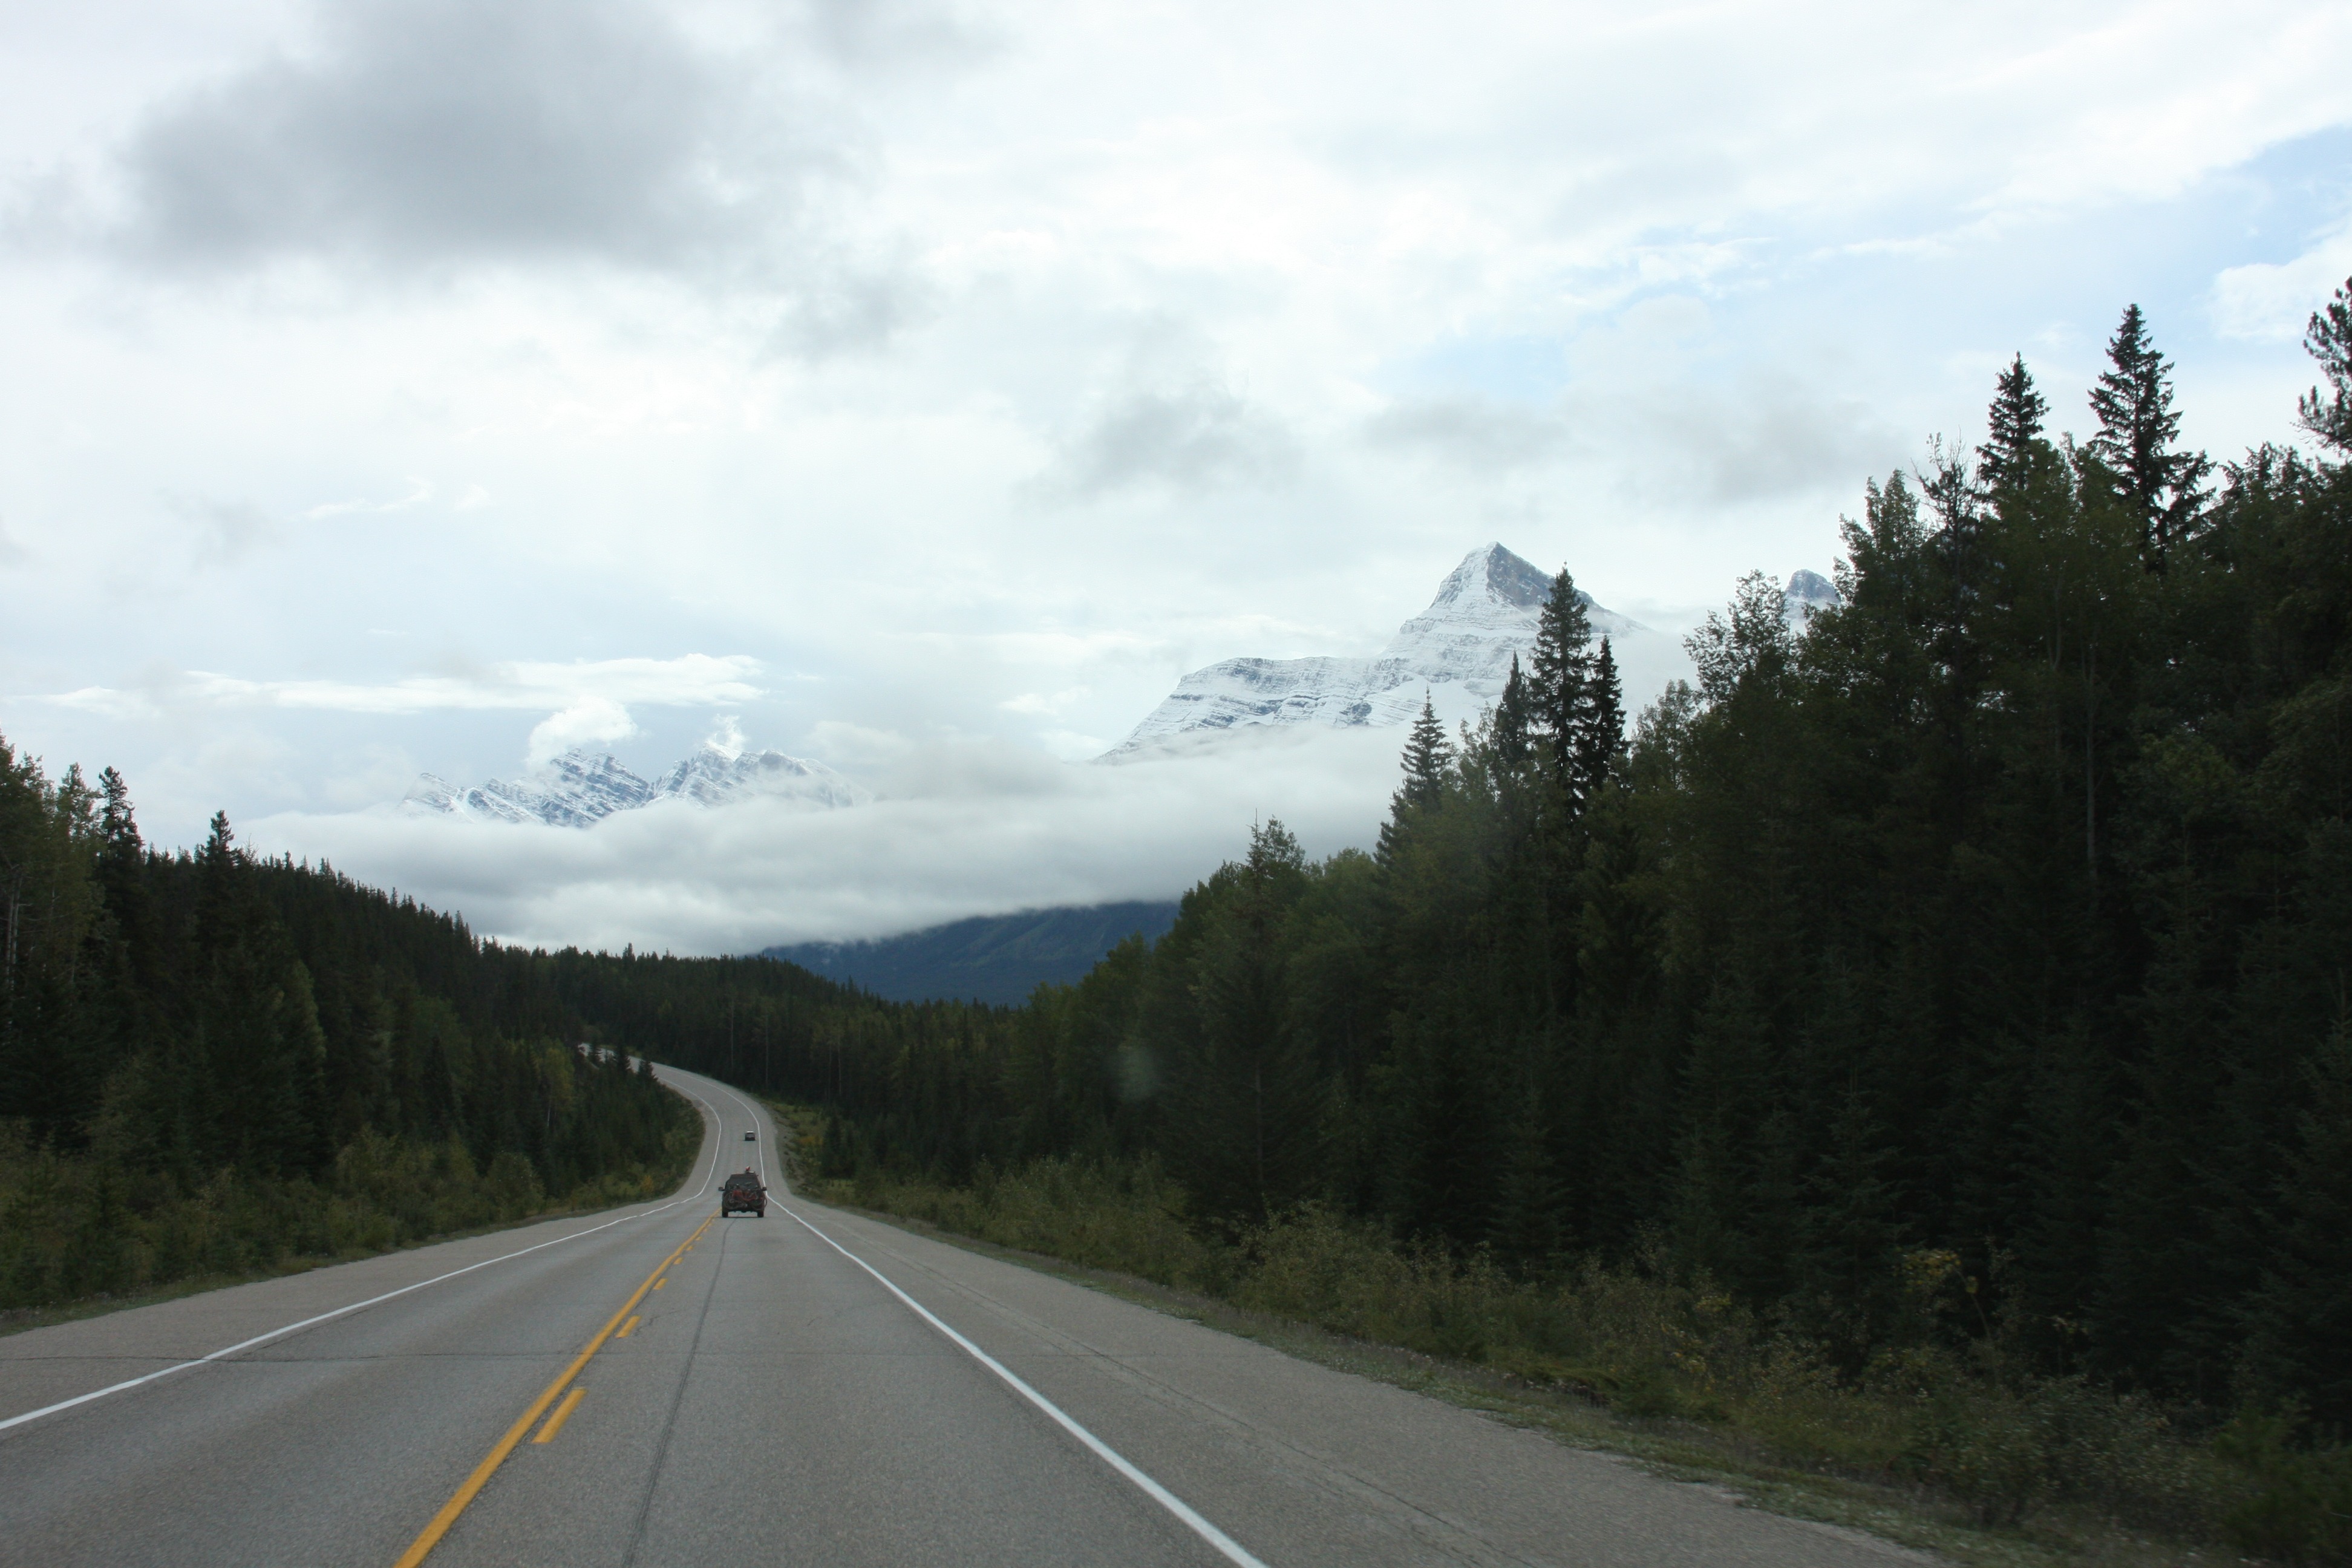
806 1387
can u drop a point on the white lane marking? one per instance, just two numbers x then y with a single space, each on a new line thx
371 1301
1225 1545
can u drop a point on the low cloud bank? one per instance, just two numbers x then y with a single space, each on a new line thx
964 832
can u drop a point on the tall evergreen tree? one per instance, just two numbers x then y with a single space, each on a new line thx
2157 485
2014 425
1427 757
1513 719
1601 726
1561 698
2329 341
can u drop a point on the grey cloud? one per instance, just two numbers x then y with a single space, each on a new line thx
896 35
1475 432
1763 439
1760 439
428 131
228 533
1197 439
844 311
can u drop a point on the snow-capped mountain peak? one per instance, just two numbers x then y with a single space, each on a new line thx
1459 650
1807 596
1491 576
717 775
581 788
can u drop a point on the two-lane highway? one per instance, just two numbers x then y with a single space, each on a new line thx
660 1385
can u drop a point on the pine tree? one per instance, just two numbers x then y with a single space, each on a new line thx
2329 341
2299 1320
1512 718
1601 726
1243 1122
2158 486
1529 1196
1428 755
2014 424
1563 674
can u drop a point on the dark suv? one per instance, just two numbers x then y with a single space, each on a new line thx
743 1195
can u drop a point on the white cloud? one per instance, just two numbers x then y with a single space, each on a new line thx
593 688
990 834
2273 301
1040 704
592 721
420 492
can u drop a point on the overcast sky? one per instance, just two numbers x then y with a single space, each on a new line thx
401 385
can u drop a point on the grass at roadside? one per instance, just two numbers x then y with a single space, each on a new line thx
79 1238
1932 1447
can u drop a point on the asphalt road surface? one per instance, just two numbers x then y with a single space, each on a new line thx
657 1386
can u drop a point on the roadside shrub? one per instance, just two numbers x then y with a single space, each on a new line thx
1655 1342
2292 1504
77 1226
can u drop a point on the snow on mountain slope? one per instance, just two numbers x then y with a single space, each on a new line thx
713 776
1458 650
1807 596
580 788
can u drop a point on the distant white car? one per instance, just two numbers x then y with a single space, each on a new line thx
751 1137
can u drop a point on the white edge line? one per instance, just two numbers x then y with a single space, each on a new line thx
1227 1546
280 1333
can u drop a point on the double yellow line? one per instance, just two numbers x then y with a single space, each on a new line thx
425 1542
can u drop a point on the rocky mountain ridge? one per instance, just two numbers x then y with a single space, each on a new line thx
581 788
1458 651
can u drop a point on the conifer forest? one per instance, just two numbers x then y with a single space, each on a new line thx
211 1063
1992 929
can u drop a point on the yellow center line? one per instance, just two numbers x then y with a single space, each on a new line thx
628 1328
562 1414
425 1542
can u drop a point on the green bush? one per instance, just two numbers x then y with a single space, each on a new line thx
2293 1504
77 1226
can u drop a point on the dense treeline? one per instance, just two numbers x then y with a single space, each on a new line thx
1971 961
209 1062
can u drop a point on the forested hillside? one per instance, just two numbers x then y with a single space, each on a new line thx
990 958
210 1063
1972 962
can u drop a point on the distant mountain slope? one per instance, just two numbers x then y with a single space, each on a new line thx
998 958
